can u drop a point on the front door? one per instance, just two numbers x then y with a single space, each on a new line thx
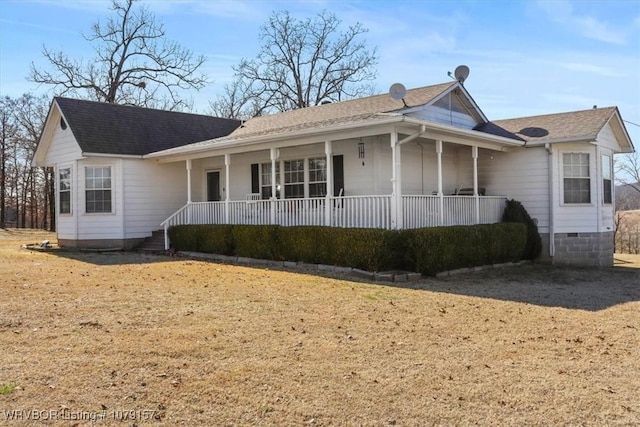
213 186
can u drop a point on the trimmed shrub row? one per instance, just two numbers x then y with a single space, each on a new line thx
425 250
515 212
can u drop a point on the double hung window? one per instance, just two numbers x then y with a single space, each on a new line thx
607 180
98 189
64 190
294 179
577 178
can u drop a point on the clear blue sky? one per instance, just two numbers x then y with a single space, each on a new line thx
526 57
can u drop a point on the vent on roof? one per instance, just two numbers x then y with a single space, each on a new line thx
63 124
325 102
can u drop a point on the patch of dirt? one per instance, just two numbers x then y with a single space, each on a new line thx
172 341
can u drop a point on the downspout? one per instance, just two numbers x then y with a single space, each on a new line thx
422 130
598 180
552 243
421 167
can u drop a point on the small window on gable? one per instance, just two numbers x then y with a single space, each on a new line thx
576 178
63 124
607 180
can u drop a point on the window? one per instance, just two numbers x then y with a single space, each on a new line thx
64 190
294 179
318 177
98 189
606 180
265 182
577 182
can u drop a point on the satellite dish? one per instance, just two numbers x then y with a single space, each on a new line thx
397 91
461 73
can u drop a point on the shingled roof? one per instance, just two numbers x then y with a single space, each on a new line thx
572 126
337 113
119 129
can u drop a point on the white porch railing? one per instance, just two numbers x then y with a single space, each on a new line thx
424 211
345 211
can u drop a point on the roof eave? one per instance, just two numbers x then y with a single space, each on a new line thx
473 135
434 128
590 139
623 128
259 139
119 156
38 155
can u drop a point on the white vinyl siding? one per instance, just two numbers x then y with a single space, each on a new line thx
607 139
519 174
63 147
153 192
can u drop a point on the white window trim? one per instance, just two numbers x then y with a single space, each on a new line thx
281 177
71 185
591 178
305 178
610 157
308 176
85 189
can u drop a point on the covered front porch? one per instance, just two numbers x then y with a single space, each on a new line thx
393 181
346 211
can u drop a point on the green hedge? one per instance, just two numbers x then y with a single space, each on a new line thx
515 212
425 250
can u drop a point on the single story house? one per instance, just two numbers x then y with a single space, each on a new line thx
431 158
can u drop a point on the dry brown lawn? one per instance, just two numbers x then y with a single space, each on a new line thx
172 341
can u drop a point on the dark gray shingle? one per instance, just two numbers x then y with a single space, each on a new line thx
119 129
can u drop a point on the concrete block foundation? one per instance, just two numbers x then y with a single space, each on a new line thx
584 249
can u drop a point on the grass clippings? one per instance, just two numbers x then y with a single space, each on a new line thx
172 341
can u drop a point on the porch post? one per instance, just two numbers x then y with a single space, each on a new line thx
189 190
440 194
273 154
188 180
474 154
396 182
227 162
328 197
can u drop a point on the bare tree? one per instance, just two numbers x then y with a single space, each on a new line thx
301 63
235 103
134 63
22 201
30 113
629 170
7 133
